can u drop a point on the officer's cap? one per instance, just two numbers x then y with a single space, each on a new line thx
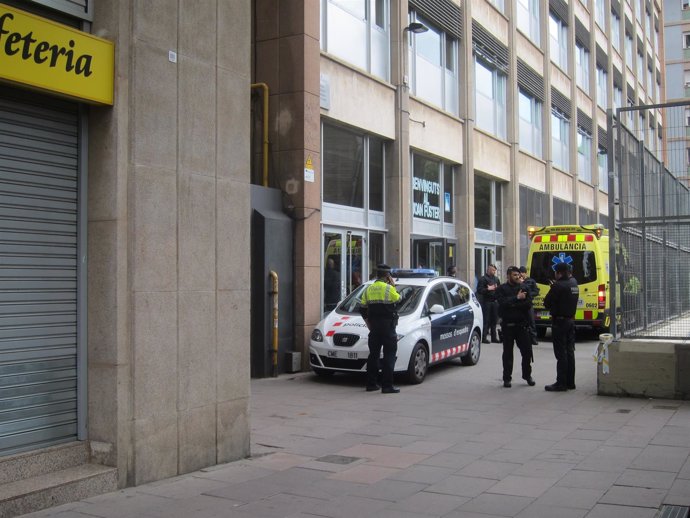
382 270
562 268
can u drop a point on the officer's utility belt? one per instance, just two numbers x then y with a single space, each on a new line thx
514 324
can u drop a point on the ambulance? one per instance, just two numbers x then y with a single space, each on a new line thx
585 248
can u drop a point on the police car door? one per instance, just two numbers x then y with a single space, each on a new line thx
442 324
462 312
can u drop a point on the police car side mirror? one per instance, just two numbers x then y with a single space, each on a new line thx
436 309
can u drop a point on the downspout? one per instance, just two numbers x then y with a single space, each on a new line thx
274 343
264 146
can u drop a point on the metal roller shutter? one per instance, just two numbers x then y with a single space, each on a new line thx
38 270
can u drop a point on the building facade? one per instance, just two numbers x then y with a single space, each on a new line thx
677 83
124 215
430 133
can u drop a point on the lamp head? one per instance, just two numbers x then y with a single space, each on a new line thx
416 28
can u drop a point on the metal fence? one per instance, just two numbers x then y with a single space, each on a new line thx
650 200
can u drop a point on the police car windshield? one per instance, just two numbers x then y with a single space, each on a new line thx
409 300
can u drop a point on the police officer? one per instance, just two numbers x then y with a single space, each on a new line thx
533 290
514 303
378 308
486 290
561 301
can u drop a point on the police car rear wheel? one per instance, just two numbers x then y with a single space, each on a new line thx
419 363
323 372
472 356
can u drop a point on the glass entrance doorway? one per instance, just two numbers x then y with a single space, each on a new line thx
483 257
343 266
437 254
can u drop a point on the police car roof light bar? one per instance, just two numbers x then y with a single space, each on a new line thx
402 273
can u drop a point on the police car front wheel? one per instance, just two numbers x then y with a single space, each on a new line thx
419 363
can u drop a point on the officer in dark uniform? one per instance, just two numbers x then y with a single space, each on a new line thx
379 310
533 291
514 303
561 301
486 291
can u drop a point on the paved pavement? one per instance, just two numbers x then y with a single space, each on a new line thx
459 445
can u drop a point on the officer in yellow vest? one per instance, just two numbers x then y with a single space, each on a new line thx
379 310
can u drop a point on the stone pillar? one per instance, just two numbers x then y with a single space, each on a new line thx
168 238
287 60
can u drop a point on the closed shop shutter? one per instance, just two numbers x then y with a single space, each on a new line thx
38 270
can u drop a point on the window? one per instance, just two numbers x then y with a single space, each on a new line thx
490 98
560 127
530 126
615 31
617 97
499 4
686 40
358 31
488 204
648 26
434 66
603 166
584 155
582 68
638 11
602 91
685 5
351 163
628 49
640 67
432 189
558 41
528 19
533 211
563 212
600 13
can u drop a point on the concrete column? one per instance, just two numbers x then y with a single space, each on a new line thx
288 59
398 181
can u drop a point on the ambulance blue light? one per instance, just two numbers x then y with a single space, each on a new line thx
408 273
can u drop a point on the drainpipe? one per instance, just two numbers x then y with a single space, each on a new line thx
264 147
274 344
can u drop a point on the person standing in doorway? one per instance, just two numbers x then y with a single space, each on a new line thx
561 301
452 271
514 303
486 289
533 290
331 285
379 310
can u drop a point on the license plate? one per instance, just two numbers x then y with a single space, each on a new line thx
348 355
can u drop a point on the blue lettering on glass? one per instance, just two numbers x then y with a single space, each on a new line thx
560 258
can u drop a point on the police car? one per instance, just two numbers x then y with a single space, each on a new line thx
439 318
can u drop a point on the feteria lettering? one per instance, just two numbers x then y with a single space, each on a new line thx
42 51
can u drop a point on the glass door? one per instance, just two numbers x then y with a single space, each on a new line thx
483 257
342 265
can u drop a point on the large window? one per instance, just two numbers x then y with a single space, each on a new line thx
602 90
530 124
488 204
528 19
563 212
582 67
560 127
617 97
584 155
358 31
615 31
603 166
352 167
558 41
490 109
533 212
628 50
600 13
432 189
640 67
434 66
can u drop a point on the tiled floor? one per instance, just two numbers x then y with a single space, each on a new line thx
458 446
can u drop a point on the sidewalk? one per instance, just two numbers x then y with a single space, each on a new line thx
459 445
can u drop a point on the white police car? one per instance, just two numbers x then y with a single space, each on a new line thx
440 319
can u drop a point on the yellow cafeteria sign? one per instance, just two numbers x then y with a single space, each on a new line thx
50 56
